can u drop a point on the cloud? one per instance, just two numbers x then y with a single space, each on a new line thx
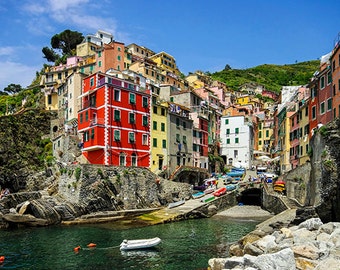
17 73
47 16
6 51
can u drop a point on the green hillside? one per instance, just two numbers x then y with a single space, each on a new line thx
273 77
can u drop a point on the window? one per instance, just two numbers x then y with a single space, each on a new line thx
236 130
163 143
260 134
329 77
163 112
118 58
227 121
87 116
81 118
85 136
177 122
145 139
134 160
132 118
117 135
131 137
329 104
154 109
92 133
184 139
117 115
117 95
228 141
228 131
267 133
162 126
184 124
99 63
145 120
49 99
322 108
322 82
236 140
154 125
306 111
313 112
154 142
132 98
122 159
235 153
99 54
91 82
178 140
194 147
145 102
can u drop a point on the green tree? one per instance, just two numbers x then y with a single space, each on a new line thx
63 45
13 88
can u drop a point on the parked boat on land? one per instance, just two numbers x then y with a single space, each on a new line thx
209 190
198 195
208 198
221 191
231 187
175 204
139 244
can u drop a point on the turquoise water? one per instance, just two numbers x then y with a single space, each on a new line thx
185 245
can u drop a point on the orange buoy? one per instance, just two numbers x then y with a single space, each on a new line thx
91 245
76 249
2 259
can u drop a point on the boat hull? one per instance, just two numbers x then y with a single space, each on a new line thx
139 244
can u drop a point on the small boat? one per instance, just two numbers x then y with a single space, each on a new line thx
231 187
235 173
279 186
208 199
209 190
219 192
139 244
175 204
198 195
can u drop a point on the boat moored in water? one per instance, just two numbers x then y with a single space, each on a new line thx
139 244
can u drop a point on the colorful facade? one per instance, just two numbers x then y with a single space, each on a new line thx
335 62
114 121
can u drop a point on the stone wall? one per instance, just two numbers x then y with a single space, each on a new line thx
272 202
297 182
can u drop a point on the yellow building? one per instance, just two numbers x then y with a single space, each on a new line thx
166 62
304 130
159 136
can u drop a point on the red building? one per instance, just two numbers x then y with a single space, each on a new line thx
114 120
325 112
335 61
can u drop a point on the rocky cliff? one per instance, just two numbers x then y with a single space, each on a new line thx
89 192
317 183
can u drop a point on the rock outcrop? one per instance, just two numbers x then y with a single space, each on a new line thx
79 191
310 245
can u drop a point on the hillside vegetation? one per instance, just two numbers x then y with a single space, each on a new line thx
272 77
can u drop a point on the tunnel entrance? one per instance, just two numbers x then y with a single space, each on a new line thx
251 196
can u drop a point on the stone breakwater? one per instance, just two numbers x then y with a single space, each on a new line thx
309 245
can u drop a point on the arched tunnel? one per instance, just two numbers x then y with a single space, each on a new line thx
250 196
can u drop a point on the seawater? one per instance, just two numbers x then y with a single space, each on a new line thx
185 245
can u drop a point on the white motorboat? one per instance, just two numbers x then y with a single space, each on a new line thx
139 244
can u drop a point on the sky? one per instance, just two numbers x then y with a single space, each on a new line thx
201 35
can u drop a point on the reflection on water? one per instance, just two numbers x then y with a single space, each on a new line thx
185 245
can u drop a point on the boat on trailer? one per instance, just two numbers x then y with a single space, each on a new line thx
139 244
